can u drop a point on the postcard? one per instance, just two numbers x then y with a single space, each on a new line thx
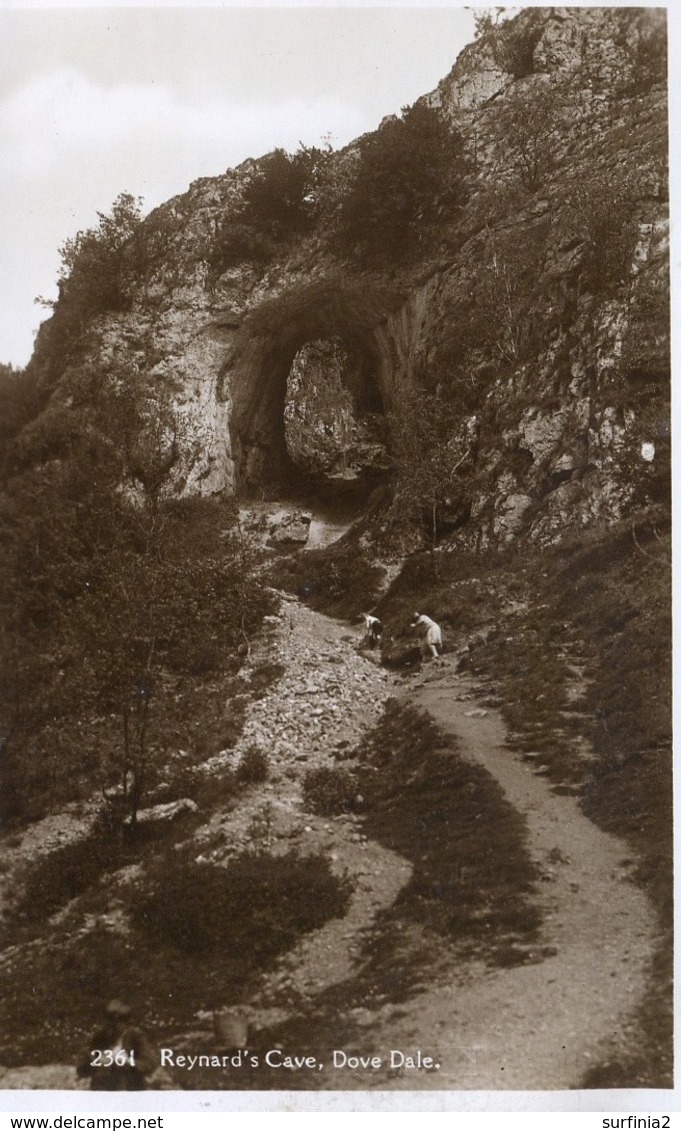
335 493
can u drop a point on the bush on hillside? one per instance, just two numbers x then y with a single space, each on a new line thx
281 200
411 172
329 791
281 197
512 43
258 905
254 767
339 580
104 604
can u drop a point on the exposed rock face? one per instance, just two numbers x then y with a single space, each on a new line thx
569 370
332 415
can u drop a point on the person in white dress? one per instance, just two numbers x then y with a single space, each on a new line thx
431 635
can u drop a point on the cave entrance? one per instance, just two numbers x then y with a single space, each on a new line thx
312 374
334 423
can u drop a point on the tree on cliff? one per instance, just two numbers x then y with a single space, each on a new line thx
511 43
529 128
18 403
92 276
96 275
410 173
280 199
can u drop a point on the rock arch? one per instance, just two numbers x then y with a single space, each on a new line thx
268 340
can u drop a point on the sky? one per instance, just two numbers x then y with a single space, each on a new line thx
95 101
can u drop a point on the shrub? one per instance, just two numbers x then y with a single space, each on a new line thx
254 767
19 401
601 210
98 266
208 790
278 198
259 905
338 580
70 871
239 242
105 608
528 128
410 171
329 791
433 461
512 44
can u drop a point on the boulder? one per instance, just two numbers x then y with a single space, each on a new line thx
291 530
167 812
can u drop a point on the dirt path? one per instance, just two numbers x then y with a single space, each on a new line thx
537 1026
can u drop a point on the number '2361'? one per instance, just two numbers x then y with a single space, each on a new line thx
107 1058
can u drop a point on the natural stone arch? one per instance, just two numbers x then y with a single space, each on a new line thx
269 339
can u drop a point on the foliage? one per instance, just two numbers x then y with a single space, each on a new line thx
433 454
601 210
410 173
244 916
281 197
237 242
97 265
339 580
106 600
99 270
281 200
259 905
647 55
329 791
457 590
69 871
254 767
19 402
512 44
640 38
529 127
508 320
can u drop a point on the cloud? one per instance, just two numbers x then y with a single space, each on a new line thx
63 115
69 146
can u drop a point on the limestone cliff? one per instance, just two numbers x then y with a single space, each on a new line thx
538 304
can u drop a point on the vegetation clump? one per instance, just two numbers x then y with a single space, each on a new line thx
111 610
254 766
281 200
258 905
231 922
337 580
409 172
329 790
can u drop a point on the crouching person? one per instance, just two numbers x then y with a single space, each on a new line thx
372 631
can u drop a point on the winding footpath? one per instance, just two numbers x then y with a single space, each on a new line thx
539 1026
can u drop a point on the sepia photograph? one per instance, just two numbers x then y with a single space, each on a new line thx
335 553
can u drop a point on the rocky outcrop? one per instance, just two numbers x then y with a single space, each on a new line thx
541 306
